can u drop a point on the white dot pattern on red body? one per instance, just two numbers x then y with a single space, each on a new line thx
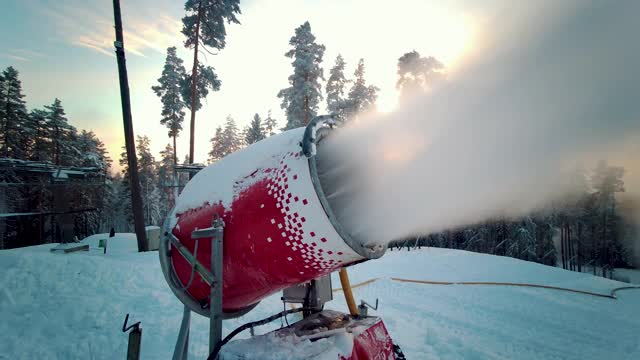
312 249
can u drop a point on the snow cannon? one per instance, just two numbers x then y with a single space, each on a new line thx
275 226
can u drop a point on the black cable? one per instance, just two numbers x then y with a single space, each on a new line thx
246 326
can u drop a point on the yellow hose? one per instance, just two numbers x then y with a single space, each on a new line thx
348 294
355 286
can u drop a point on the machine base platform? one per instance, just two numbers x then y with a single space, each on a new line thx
324 335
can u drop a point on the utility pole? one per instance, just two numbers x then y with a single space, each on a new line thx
136 199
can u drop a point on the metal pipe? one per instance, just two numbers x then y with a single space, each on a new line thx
215 318
182 344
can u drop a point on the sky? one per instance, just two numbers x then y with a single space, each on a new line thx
64 49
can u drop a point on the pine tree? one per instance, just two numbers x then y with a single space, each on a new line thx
3 97
111 217
92 150
270 125
62 134
167 180
40 149
300 101
148 182
231 141
14 116
207 81
204 25
217 152
361 97
125 209
416 74
606 181
103 155
335 89
254 132
170 93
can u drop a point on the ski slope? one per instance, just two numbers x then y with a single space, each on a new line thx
72 306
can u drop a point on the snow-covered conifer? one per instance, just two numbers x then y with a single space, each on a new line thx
40 149
335 89
14 116
361 97
301 99
416 74
230 137
217 152
62 133
254 132
270 125
148 182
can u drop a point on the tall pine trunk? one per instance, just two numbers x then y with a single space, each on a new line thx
6 127
175 174
579 247
572 265
562 248
306 111
194 81
175 152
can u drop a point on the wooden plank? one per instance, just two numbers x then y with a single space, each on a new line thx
68 248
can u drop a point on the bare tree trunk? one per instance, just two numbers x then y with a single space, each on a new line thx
175 152
306 111
603 244
579 247
194 81
572 248
6 126
562 246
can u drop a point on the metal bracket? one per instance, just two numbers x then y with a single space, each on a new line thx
135 339
363 307
204 273
213 278
204 233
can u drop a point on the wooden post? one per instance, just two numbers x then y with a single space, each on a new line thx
136 198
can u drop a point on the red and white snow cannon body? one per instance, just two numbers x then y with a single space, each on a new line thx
279 228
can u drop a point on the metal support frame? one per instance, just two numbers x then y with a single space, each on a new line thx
213 278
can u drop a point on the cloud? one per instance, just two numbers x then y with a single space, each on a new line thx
23 55
90 25
16 57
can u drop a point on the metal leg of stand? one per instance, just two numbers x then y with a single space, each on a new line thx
182 345
215 316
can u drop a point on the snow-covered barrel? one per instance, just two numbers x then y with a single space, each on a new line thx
279 230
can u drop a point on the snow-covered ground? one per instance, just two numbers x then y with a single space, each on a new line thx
71 306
